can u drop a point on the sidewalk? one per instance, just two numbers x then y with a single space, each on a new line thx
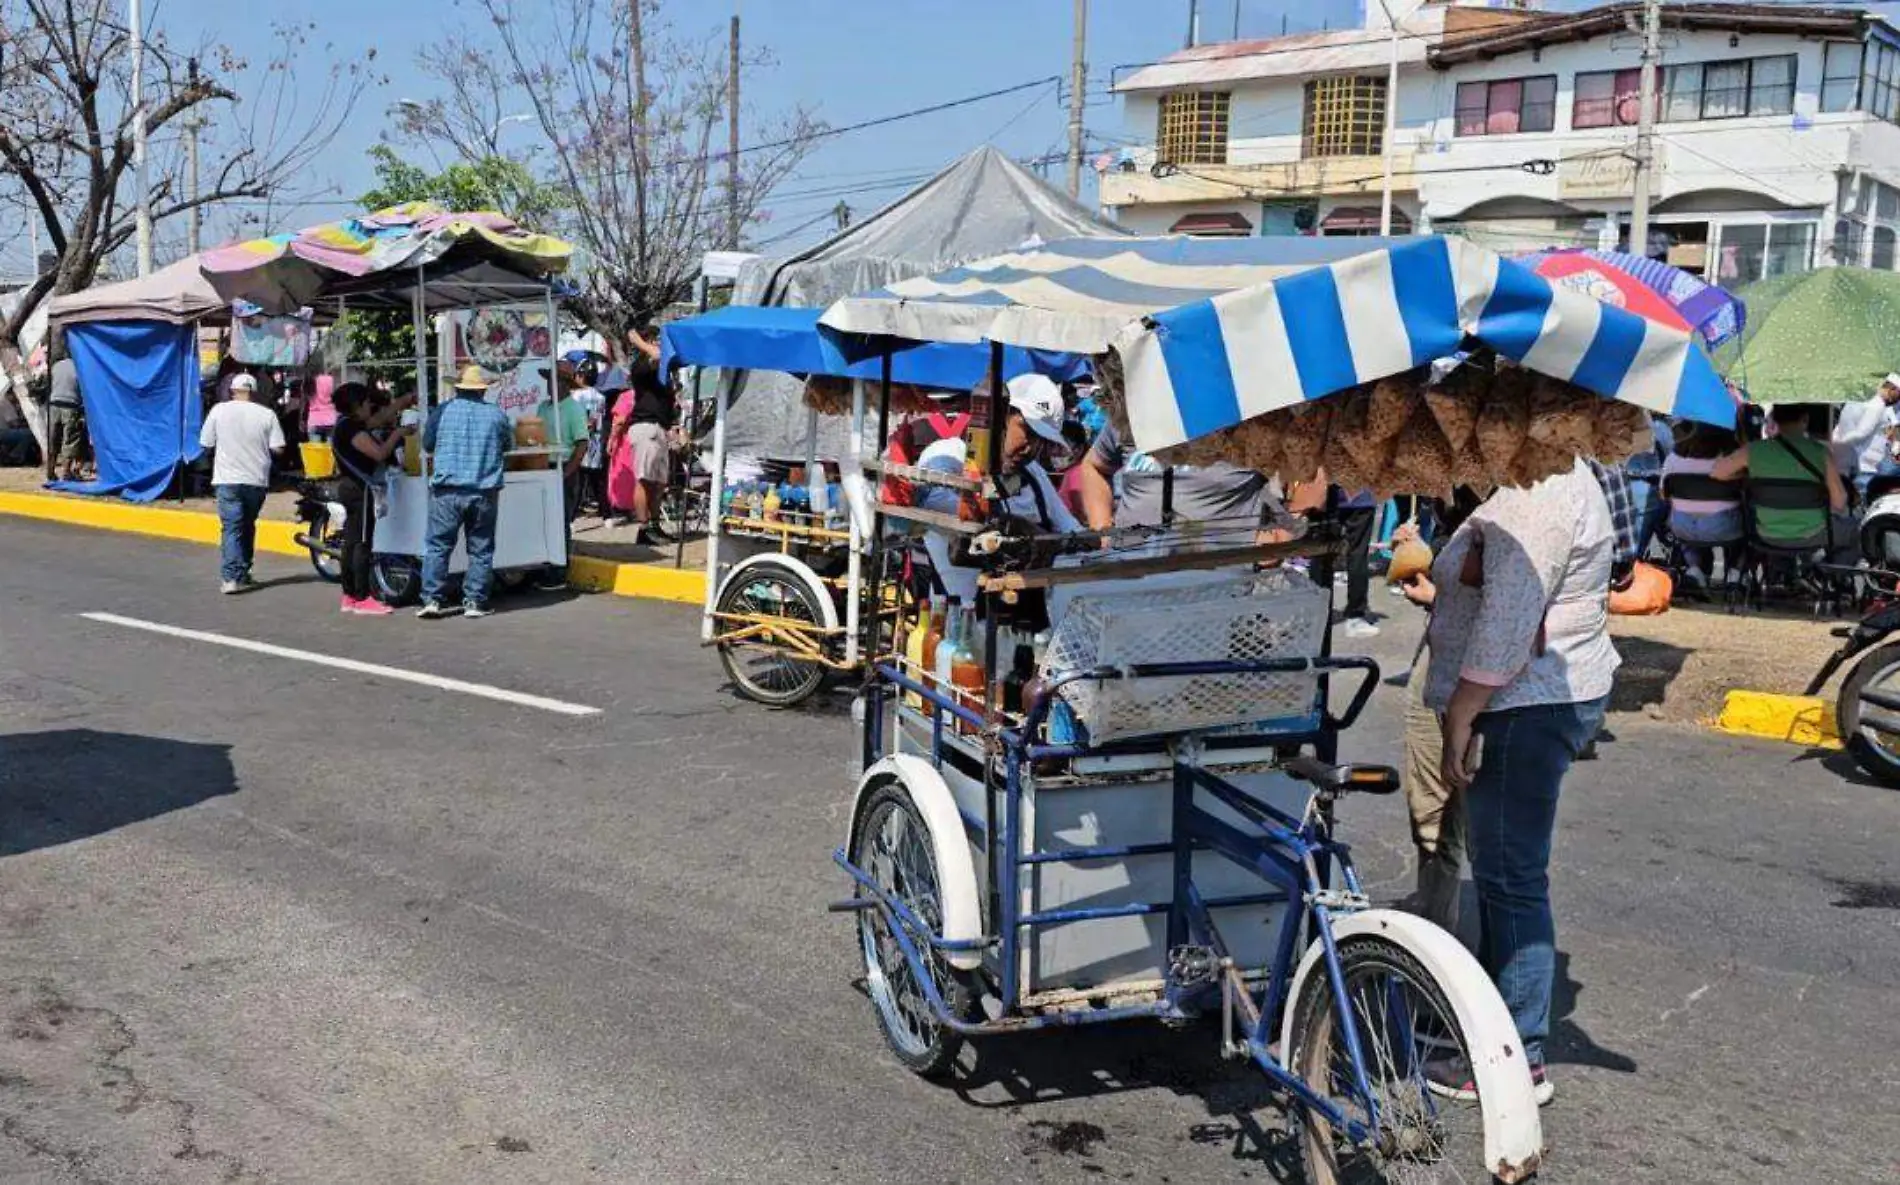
606 559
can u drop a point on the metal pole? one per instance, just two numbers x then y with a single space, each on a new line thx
732 139
144 208
715 510
1078 88
854 562
1645 128
1391 122
1194 23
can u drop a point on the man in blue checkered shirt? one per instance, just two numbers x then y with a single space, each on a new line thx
1626 520
467 438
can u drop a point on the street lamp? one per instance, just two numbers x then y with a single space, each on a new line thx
1391 118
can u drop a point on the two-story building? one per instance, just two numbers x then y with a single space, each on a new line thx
1777 134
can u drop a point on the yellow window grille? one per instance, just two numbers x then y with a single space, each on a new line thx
1193 128
1345 116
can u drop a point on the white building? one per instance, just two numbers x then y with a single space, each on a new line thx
1777 134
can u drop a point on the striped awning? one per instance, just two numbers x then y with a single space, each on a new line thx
1213 332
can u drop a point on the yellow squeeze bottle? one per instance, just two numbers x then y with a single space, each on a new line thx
914 653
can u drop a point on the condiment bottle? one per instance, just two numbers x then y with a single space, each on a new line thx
923 638
966 668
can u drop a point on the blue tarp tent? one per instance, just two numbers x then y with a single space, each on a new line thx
139 380
788 341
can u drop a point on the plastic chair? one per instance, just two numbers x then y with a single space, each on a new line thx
1699 487
1799 556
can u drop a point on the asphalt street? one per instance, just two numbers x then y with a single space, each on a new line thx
268 921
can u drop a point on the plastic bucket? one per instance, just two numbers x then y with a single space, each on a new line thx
318 460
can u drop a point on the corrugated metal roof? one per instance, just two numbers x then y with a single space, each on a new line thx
1295 56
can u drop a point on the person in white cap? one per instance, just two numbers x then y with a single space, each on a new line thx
242 434
1032 425
1864 438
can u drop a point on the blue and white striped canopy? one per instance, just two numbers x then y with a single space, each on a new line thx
1212 332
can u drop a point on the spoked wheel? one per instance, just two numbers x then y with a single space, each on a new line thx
893 846
398 580
1875 751
763 668
329 566
1405 1024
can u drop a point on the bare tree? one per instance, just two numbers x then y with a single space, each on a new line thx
629 110
66 130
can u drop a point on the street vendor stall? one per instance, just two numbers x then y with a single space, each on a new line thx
788 615
1134 816
485 288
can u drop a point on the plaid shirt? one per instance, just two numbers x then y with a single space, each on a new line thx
1626 525
468 438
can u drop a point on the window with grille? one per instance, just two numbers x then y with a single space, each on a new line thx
1193 128
1880 81
1840 76
1507 105
1345 116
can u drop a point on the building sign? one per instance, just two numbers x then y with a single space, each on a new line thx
1597 174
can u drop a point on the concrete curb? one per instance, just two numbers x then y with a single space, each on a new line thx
1806 720
646 581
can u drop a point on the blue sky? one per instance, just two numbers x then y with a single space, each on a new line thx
850 60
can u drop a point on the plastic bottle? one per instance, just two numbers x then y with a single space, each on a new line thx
770 504
943 660
916 648
1009 689
754 505
966 667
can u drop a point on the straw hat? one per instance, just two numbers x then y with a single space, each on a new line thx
472 378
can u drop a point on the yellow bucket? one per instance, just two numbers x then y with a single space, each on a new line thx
318 460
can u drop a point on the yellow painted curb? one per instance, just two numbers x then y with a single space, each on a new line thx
1798 719
687 586
188 526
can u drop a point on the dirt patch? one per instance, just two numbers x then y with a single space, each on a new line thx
1678 666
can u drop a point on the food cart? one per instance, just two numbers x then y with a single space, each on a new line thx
785 590
1149 831
485 287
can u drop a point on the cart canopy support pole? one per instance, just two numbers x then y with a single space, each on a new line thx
993 471
714 508
854 563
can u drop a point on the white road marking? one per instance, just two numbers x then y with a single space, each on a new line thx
482 690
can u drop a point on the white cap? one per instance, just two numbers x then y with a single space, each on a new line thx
1039 401
243 382
1893 380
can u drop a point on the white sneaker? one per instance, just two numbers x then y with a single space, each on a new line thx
433 610
1359 627
472 610
227 587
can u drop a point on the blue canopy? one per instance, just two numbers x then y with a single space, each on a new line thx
760 337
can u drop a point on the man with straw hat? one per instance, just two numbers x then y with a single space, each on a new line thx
467 438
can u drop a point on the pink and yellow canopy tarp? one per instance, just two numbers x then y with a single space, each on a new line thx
286 272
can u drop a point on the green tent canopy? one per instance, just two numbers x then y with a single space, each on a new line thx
1825 336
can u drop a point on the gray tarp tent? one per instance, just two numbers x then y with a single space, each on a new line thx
984 204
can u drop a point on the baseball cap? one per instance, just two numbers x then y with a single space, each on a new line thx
1894 378
243 382
1039 401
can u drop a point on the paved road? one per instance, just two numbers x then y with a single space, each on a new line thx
268 921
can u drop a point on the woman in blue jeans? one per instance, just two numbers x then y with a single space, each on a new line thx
1520 673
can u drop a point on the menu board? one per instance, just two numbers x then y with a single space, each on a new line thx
515 345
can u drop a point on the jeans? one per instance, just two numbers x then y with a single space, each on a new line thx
238 508
1646 492
453 510
1511 815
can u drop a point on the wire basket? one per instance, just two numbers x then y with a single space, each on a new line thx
1242 619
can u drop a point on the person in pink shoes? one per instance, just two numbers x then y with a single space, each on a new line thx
363 443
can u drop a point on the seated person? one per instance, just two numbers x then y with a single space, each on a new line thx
1032 425
1790 454
1701 525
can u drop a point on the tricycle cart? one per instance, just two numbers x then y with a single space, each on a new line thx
1150 831
785 595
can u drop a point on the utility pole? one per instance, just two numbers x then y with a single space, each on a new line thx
1391 122
732 136
192 124
1645 129
144 208
1194 23
1078 87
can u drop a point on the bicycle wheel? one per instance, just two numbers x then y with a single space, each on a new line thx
1404 1022
1875 751
893 846
763 669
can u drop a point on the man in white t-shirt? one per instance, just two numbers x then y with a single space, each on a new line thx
243 435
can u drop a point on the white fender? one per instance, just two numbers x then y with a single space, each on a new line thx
796 567
959 901
1513 1133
